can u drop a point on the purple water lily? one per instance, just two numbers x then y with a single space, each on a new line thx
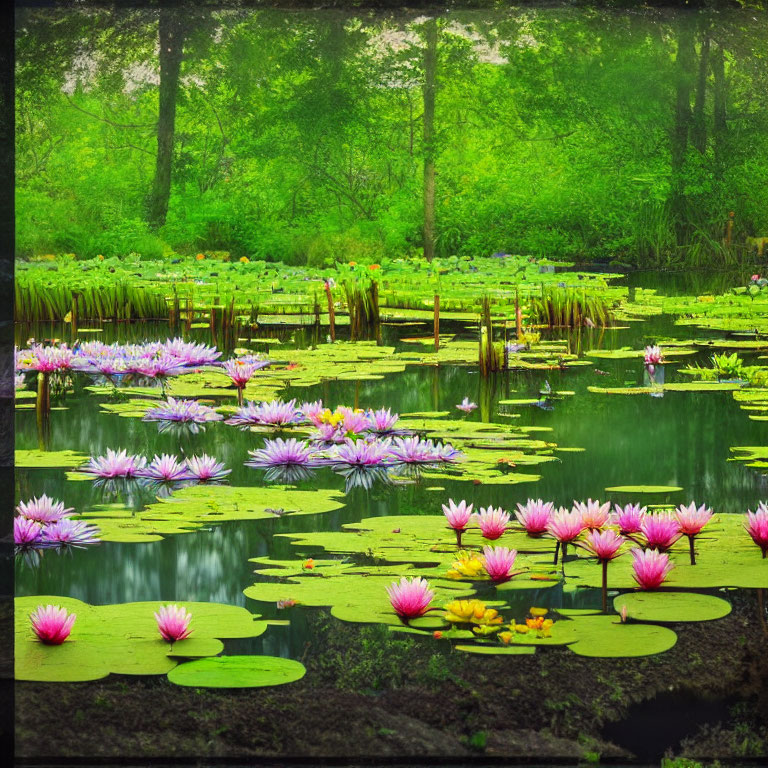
273 414
43 510
44 359
67 531
312 411
466 405
279 452
361 453
26 532
206 469
414 450
166 469
182 411
114 464
382 422
328 433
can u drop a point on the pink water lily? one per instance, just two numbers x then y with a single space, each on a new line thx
382 421
492 521
594 515
353 422
206 468
653 355
173 623
661 530
273 414
756 525
629 518
534 515
52 624
240 371
650 567
328 433
691 521
360 453
498 562
280 452
565 526
115 464
458 517
182 411
68 531
312 411
410 598
43 359
414 450
43 510
467 405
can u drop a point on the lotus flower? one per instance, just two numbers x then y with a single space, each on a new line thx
240 371
273 414
280 452
458 516
492 522
756 525
52 624
361 453
173 623
534 516
353 422
564 526
382 421
26 531
189 353
629 518
605 546
653 355
466 405
661 530
160 367
410 598
593 514
115 464
43 510
68 531
414 450
167 469
45 359
650 567
499 562
691 521
328 433
312 411
206 469
182 411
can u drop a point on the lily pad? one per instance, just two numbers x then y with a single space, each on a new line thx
607 637
644 489
34 459
672 606
237 672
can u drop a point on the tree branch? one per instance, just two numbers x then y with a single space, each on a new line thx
104 119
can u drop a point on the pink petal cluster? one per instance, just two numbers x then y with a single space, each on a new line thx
691 520
466 405
499 562
410 598
382 421
166 469
240 371
173 623
756 525
629 518
661 530
493 522
52 624
650 567
565 525
604 545
26 531
205 468
312 411
458 515
593 513
653 355
115 464
534 515
43 510
360 453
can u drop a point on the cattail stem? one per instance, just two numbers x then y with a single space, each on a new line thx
693 552
605 586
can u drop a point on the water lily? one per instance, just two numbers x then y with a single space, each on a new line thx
458 517
661 530
115 464
471 612
756 525
52 624
650 567
414 450
653 355
43 510
312 411
240 372
691 520
360 453
273 414
410 598
353 422
467 566
173 623
493 522
499 562
594 515
279 452
605 546
182 411
382 422
534 515
166 469
26 532
67 531
466 405
206 468
629 518
565 526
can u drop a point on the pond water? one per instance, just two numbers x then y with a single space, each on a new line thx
681 439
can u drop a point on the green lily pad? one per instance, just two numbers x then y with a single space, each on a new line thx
644 489
672 606
498 650
34 459
237 672
607 637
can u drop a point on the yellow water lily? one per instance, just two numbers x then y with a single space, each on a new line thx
506 637
469 565
485 629
539 611
471 611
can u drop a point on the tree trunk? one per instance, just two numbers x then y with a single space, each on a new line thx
680 133
171 38
720 128
430 65
699 126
